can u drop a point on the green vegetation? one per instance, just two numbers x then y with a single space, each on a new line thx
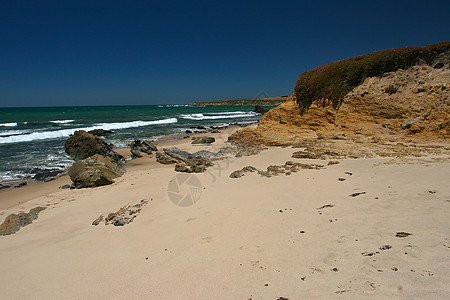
243 102
333 81
391 89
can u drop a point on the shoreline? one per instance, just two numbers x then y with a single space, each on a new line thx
35 188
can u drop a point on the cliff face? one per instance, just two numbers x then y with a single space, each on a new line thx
406 103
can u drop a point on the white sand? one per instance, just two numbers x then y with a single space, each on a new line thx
234 241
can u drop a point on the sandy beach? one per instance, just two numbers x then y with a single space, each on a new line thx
317 233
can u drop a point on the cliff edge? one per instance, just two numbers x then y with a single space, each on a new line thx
392 94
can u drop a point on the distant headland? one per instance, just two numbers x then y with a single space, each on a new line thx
273 101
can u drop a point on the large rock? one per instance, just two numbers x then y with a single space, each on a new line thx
138 146
185 161
94 171
14 222
82 145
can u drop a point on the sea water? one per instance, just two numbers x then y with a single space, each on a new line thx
32 139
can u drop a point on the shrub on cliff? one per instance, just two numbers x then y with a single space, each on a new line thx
333 81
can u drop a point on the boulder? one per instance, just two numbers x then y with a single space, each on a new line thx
14 222
137 147
203 140
94 171
186 162
82 145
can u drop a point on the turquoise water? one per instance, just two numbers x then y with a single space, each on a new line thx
33 138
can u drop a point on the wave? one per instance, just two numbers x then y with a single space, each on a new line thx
62 121
214 116
43 135
13 132
8 124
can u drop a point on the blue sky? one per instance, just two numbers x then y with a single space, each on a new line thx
152 52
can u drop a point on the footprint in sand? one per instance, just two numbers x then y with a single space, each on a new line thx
191 219
208 239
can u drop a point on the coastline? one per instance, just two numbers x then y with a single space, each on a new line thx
250 237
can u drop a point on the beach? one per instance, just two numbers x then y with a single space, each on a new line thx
356 227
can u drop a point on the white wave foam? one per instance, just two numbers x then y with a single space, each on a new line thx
62 121
214 116
43 135
8 124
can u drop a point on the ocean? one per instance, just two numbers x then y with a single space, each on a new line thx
32 139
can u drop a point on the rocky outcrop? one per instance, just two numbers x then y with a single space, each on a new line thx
287 169
138 146
123 216
14 222
203 140
186 162
94 171
409 103
82 145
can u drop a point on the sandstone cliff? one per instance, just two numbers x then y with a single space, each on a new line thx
405 103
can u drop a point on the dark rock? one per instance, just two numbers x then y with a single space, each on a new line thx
100 132
386 124
14 222
20 185
356 194
137 147
196 162
65 186
82 145
46 174
402 234
203 140
188 131
201 127
4 186
260 110
165 159
94 171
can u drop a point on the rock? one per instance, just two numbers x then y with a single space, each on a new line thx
100 132
98 220
94 171
165 159
65 186
186 162
181 167
14 222
123 216
406 124
20 185
46 174
82 145
188 131
260 110
137 147
203 140
4 186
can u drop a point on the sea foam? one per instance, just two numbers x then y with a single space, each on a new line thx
218 115
43 135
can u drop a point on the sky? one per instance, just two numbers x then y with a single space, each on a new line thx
68 53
